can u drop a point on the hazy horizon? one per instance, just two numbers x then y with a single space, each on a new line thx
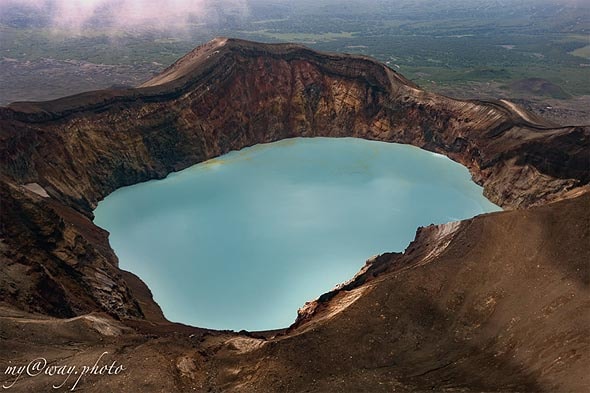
178 14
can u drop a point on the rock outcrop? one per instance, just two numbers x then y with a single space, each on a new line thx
59 158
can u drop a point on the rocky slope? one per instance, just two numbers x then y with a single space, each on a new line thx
59 158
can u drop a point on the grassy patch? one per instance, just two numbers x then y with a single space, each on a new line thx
300 37
583 52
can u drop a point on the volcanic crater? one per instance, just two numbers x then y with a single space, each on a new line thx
496 303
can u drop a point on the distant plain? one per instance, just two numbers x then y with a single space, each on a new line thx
534 52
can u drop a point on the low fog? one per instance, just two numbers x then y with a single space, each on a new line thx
179 14
77 14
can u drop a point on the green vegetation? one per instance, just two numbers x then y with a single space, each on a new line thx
435 43
309 38
582 52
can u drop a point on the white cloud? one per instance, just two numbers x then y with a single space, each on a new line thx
75 14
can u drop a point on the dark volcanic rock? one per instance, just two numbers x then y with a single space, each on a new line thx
487 285
539 87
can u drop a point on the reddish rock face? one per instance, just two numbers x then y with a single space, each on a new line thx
226 95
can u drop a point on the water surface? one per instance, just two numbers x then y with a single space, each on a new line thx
242 241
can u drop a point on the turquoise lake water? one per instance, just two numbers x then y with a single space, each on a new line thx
244 240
